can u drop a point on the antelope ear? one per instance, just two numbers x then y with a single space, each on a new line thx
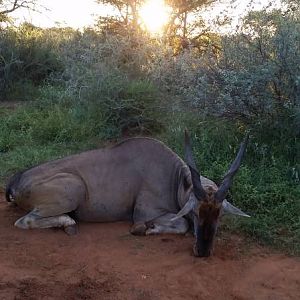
189 205
228 208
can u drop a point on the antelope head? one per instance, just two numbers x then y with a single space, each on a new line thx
207 203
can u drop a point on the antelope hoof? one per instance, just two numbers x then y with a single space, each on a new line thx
138 229
71 229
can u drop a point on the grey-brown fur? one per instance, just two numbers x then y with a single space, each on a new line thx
139 179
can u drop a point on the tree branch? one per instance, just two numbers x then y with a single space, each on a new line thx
17 4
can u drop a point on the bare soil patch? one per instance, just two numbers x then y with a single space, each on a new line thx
105 262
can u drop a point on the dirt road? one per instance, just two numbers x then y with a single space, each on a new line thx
105 262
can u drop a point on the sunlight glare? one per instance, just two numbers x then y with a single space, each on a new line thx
155 15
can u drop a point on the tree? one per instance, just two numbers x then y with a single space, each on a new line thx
178 24
127 15
181 9
9 6
185 28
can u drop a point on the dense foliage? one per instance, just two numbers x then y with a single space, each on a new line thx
27 59
87 88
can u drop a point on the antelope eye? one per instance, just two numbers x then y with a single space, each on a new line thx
151 225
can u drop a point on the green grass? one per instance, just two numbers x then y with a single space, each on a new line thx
40 131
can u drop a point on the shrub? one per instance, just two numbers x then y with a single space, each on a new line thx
27 59
128 107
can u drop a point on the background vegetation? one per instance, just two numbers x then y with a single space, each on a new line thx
63 91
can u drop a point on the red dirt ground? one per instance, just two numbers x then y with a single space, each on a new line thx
105 262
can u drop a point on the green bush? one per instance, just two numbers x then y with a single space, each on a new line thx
128 107
255 77
27 59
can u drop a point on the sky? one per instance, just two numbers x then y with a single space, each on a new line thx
236 10
73 13
82 13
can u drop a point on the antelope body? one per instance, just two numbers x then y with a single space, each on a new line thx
139 179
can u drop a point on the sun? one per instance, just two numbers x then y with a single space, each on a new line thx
154 14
